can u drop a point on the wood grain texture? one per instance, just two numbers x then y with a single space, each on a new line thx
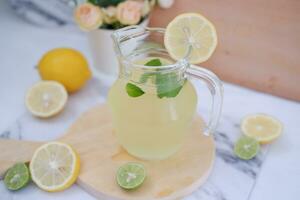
259 41
93 138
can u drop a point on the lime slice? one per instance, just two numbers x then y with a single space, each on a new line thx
193 35
246 148
131 175
17 177
262 127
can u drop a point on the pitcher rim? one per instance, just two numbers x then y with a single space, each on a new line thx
179 64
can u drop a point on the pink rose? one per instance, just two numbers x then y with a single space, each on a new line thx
129 12
88 16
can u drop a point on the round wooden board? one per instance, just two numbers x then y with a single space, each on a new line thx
93 137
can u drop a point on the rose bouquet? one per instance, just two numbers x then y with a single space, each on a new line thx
101 17
114 14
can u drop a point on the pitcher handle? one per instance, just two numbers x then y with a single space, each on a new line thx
215 87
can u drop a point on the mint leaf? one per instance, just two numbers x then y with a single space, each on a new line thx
168 85
154 62
133 90
170 93
144 78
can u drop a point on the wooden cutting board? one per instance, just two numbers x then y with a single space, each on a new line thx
258 41
93 138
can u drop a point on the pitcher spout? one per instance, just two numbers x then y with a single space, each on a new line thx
115 36
127 37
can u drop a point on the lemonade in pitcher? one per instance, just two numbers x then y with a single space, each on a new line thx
153 102
150 126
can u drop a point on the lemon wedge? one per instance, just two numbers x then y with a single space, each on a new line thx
54 166
46 98
261 127
191 35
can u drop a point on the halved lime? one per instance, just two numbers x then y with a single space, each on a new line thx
246 148
17 177
131 175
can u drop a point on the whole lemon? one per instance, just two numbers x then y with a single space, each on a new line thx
67 66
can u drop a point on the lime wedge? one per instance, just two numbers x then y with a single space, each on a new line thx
131 175
246 148
17 177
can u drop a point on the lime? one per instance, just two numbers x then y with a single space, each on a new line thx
131 175
17 177
246 148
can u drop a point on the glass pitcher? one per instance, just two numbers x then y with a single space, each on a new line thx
153 102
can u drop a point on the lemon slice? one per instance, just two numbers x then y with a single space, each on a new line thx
261 127
190 30
54 166
46 98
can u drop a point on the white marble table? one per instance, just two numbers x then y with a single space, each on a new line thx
273 174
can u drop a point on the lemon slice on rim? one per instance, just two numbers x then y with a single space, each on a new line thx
54 166
190 34
46 98
261 127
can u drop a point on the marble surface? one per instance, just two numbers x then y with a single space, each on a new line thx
273 174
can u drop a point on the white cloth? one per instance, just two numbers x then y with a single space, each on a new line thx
45 13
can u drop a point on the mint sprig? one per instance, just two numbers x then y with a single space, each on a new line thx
167 84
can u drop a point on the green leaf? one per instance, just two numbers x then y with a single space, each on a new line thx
133 90
154 62
168 85
170 93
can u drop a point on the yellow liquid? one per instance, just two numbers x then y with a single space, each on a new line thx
149 127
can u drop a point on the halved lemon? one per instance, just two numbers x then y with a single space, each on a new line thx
193 35
46 98
54 166
262 127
